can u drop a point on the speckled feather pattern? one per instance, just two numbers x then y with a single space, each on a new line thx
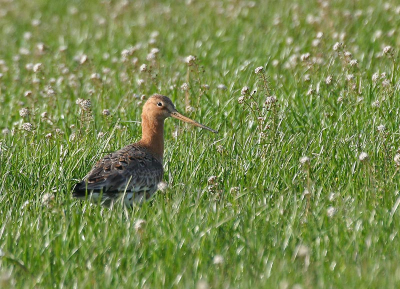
131 173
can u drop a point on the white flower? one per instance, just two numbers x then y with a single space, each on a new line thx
348 54
106 112
218 260
271 100
241 99
353 62
140 82
155 51
190 60
397 159
83 58
363 157
258 70
27 126
375 76
190 109
95 76
24 112
349 77
337 46
245 90
143 68
37 67
212 180
376 103
320 34
221 87
331 212
140 226
307 77
305 56
47 199
304 160
49 135
387 49
381 128
185 86
328 79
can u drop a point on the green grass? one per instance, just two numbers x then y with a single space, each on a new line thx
276 223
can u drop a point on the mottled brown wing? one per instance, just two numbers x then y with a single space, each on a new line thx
129 169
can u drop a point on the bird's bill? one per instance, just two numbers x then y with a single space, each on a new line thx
179 116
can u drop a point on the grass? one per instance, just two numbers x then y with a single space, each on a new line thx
269 218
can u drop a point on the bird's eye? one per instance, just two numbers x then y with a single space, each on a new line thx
159 104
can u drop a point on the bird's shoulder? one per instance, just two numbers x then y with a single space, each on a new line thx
129 161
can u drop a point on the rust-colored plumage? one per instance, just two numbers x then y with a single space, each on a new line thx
134 172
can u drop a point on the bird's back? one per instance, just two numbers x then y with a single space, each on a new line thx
131 172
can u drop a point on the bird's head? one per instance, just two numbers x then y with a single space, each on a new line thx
160 107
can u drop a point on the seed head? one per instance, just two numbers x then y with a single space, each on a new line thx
388 49
349 77
190 60
331 212
27 126
363 157
381 128
376 103
185 86
348 54
218 260
386 83
305 56
328 79
190 109
305 160
5 131
151 56
37 67
48 199
140 82
143 68
397 159
106 112
259 70
271 100
48 136
212 180
85 104
221 87
337 46
245 90
140 226
307 77
205 86
241 99
24 112
95 76
353 62
375 77
83 59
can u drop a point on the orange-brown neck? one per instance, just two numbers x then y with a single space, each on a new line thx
153 136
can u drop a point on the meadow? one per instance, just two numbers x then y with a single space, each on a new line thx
299 189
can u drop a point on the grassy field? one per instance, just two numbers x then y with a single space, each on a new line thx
299 189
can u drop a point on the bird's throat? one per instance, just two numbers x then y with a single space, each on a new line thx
153 135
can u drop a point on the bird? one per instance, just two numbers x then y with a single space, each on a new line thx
133 173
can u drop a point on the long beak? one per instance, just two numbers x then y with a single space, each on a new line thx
177 115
